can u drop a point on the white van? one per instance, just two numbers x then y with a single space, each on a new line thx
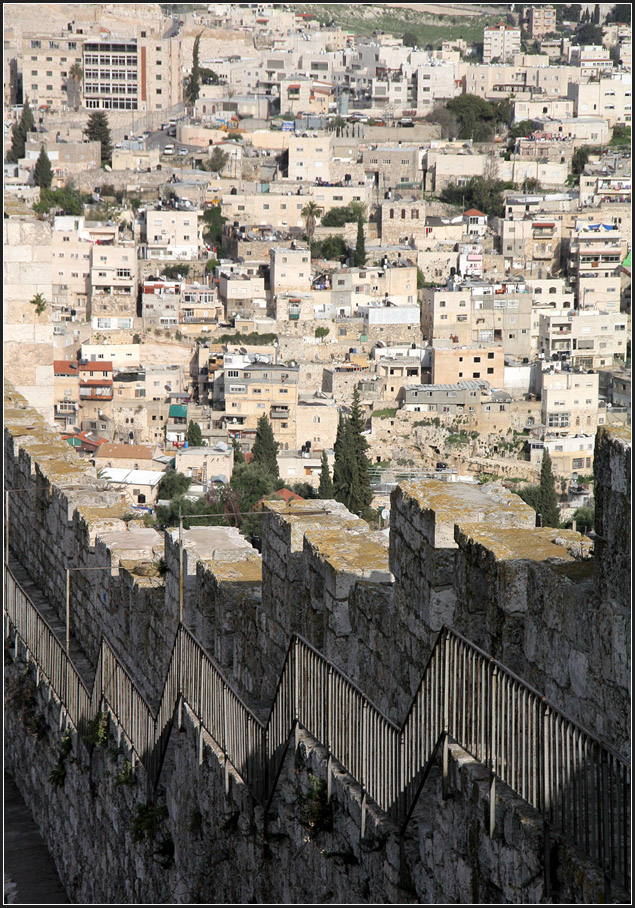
168 150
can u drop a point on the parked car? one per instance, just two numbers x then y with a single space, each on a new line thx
169 150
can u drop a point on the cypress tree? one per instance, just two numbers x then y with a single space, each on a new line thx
351 478
43 173
19 134
194 434
265 448
548 496
325 489
98 130
194 82
360 248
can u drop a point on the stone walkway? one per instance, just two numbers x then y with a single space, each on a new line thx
30 877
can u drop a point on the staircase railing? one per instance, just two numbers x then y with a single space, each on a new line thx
579 785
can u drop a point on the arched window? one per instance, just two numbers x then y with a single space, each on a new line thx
392 212
403 214
553 290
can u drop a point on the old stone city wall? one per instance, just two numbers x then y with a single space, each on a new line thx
373 609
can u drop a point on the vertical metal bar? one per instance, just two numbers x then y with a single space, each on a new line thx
180 566
68 611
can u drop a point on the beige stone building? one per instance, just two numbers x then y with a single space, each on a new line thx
533 244
309 157
258 388
451 363
205 464
169 233
290 269
542 21
283 208
113 287
608 97
500 42
139 73
391 166
569 403
316 423
46 62
585 339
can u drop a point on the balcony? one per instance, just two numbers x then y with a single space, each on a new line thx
279 412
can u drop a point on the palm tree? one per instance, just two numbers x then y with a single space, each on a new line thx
76 75
310 213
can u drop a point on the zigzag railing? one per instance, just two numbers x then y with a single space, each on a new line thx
580 786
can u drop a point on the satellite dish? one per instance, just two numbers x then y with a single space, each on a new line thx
574 477
385 514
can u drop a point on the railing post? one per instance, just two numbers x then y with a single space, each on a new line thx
604 826
363 768
296 692
226 767
327 726
180 566
494 716
546 774
446 717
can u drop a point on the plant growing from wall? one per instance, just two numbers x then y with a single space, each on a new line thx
39 303
127 775
57 775
98 730
147 821
318 814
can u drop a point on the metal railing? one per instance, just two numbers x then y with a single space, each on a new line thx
580 786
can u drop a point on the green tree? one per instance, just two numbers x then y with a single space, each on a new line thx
351 477
213 221
584 519
251 482
621 12
19 134
548 494
217 160
587 33
194 435
337 217
410 39
321 331
531 496
98 130
325 489
173 485
330 248
310 214
193 85
265 448
173 271
360 246
476 117
66 199
239 457
43 172
519 130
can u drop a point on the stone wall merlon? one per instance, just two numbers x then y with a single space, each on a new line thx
433 508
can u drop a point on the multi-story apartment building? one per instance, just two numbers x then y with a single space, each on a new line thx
391 166
480 312
241 292
500 42
251 390
160 303
463 397
282 209
595 254
169 233
534 244
113 285
71 253
47 63
542 21
569 403
585 339
450 363
608 180
134 74
309 157
290 269
608 96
